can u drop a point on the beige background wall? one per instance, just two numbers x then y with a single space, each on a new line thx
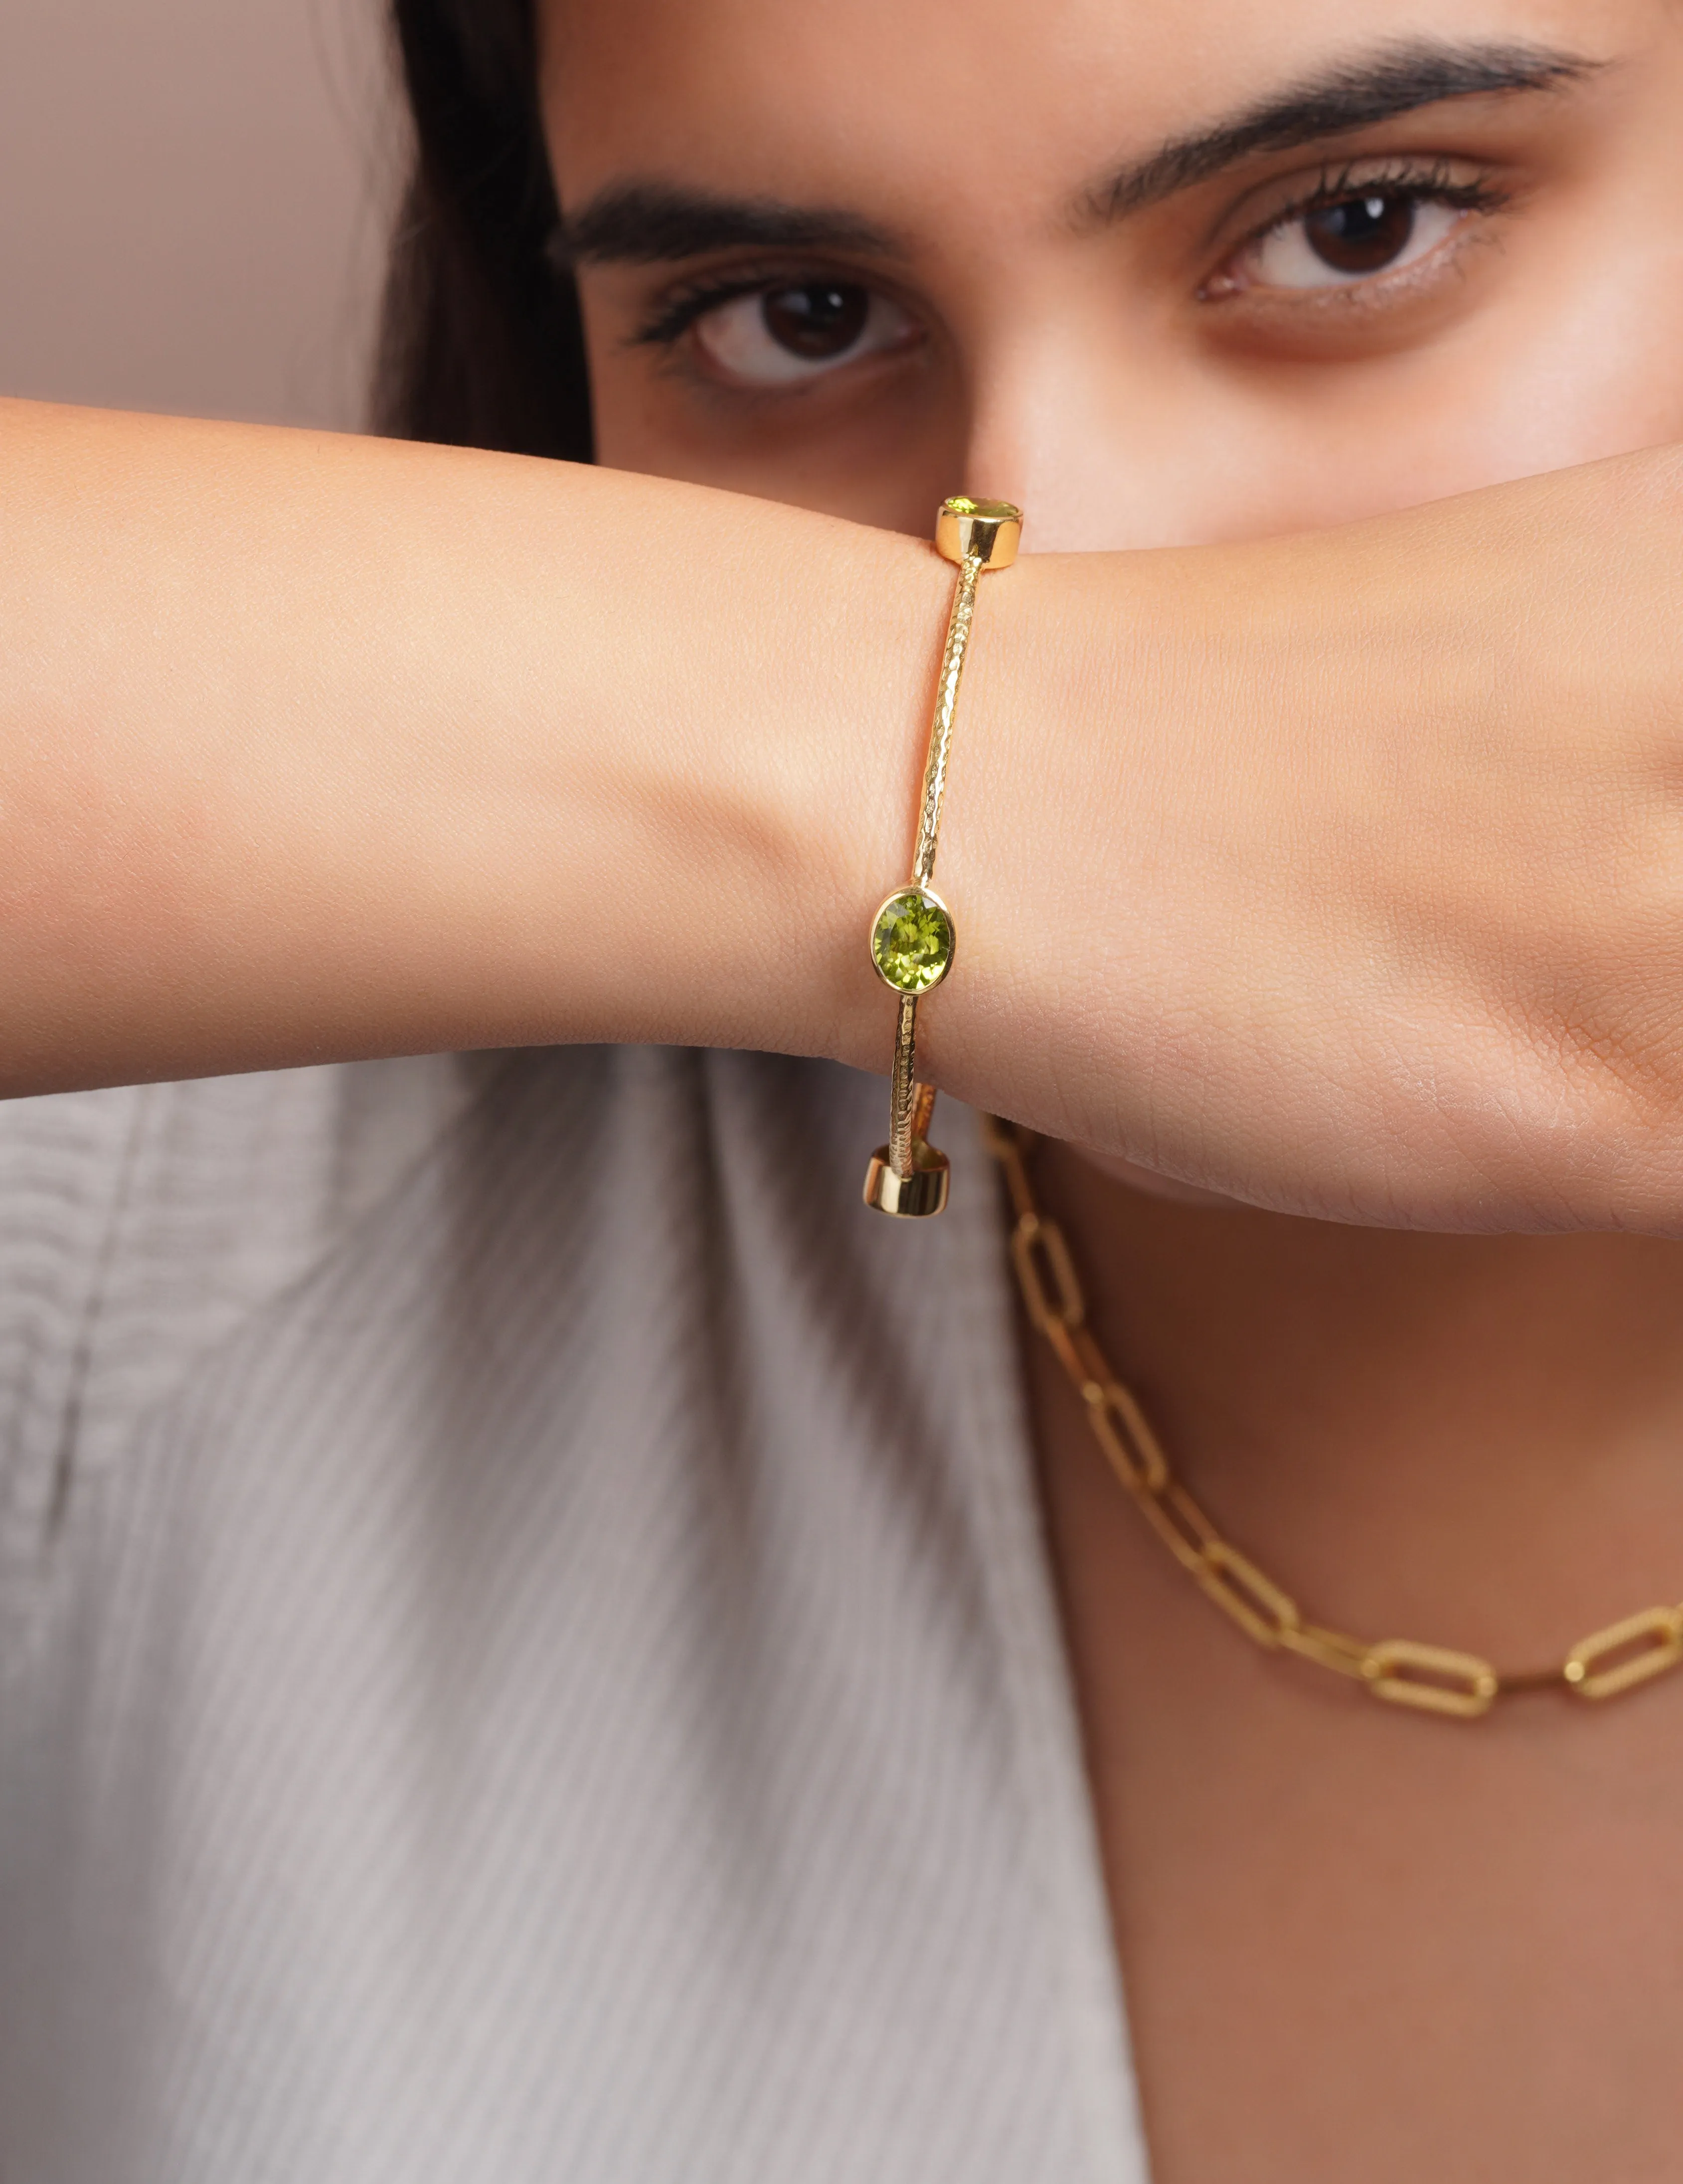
193 201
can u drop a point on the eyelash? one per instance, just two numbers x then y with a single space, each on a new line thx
1435 184
680 307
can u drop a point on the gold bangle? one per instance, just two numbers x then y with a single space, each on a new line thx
911 939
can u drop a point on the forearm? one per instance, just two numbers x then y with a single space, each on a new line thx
1342 873
316 747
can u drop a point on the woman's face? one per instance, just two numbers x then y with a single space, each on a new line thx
1164 273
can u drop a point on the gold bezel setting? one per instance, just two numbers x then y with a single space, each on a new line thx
929 899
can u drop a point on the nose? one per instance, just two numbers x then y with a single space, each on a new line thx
1103 445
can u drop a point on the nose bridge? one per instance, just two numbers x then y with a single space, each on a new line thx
1064 419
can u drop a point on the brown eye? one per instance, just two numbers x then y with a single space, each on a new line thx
1353 239
783 337
1361 235
819 320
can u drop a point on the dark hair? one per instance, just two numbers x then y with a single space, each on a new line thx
480 344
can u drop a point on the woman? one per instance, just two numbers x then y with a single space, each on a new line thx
533 1623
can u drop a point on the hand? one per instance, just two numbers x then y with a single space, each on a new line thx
1342 874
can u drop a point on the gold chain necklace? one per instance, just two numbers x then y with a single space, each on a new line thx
1435 1678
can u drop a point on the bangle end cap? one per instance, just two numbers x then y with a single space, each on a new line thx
909 1197
990 530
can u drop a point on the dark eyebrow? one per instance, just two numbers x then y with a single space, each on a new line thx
1355 94
649 223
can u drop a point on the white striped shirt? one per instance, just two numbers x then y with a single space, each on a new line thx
526 1648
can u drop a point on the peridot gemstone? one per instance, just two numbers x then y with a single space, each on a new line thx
912 941
995 511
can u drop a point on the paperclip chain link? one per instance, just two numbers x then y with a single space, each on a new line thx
1432 1679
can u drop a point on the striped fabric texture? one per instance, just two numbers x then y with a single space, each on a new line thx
526 1649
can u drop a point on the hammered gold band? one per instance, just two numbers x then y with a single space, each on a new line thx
911 939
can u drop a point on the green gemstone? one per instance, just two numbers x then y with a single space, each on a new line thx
996 512
912 941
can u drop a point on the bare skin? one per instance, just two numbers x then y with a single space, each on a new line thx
1363 851
1355 1944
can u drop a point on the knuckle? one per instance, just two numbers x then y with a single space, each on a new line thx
1596 1105
1615 1071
